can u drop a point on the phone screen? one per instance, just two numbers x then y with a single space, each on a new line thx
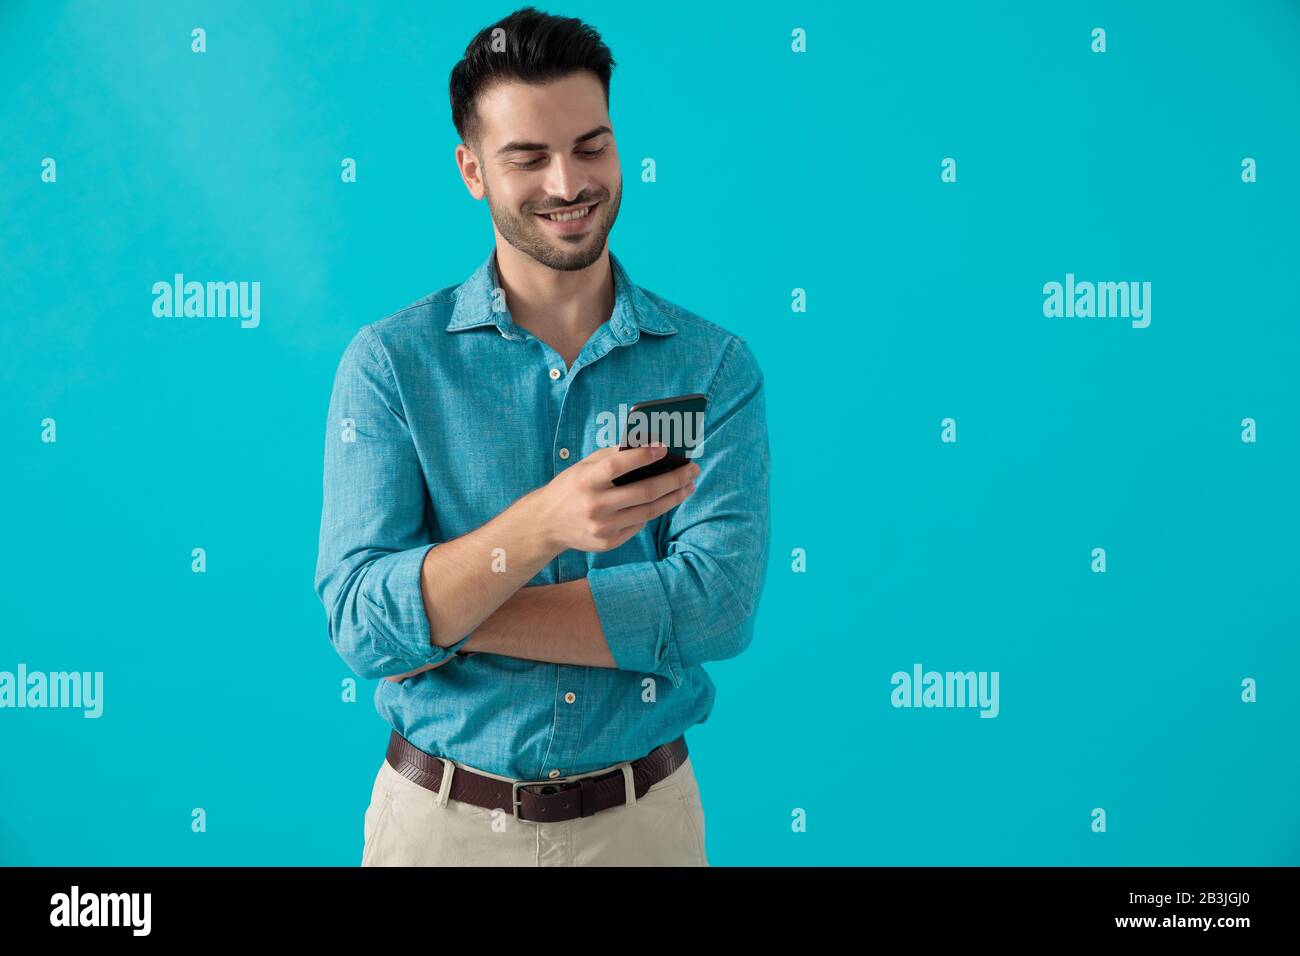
677 422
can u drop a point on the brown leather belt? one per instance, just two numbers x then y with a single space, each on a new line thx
553 800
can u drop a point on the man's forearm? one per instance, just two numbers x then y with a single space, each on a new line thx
556 623
463 581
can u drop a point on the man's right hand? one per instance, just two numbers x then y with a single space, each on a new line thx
580 508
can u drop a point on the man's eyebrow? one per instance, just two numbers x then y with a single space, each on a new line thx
518 147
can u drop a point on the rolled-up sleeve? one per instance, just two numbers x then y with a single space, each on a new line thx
698 602
374 532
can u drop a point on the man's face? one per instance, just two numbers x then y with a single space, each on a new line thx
545 148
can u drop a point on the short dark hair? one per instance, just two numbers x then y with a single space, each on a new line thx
533 47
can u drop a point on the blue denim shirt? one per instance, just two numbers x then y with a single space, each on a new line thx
445 413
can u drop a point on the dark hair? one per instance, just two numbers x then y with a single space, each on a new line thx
534 47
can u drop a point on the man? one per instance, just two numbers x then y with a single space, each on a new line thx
539 630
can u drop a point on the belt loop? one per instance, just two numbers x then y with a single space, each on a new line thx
444 788
629 783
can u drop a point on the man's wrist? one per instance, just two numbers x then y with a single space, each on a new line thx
539 539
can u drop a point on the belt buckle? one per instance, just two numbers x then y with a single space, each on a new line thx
514 795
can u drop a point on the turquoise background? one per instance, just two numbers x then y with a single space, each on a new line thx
775 171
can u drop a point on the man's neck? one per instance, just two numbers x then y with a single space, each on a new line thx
561 308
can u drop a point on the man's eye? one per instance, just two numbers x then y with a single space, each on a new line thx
582 152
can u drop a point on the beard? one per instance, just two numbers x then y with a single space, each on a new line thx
525 232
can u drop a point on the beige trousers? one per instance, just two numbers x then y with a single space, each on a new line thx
407 825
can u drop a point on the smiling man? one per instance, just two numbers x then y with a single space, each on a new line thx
539 631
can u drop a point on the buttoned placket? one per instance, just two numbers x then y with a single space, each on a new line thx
566 449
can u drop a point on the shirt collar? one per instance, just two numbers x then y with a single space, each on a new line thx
632 314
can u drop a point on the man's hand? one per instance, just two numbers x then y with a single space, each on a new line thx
581 508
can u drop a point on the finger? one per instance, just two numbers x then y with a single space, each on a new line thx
626 459
624 536
607 451
640 514
649 489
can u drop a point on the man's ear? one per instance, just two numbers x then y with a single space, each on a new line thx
470 170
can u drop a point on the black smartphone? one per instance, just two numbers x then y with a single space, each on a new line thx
677 422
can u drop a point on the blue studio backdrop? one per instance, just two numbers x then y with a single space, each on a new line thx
973 470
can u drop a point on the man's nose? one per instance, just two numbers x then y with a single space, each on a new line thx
564 179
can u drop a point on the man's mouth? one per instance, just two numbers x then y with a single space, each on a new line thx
572 215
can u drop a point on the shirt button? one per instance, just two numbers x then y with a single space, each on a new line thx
570 697
555 374
564 453
554 773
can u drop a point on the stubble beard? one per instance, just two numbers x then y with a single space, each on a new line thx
525 233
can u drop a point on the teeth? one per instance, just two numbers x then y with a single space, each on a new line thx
569 216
